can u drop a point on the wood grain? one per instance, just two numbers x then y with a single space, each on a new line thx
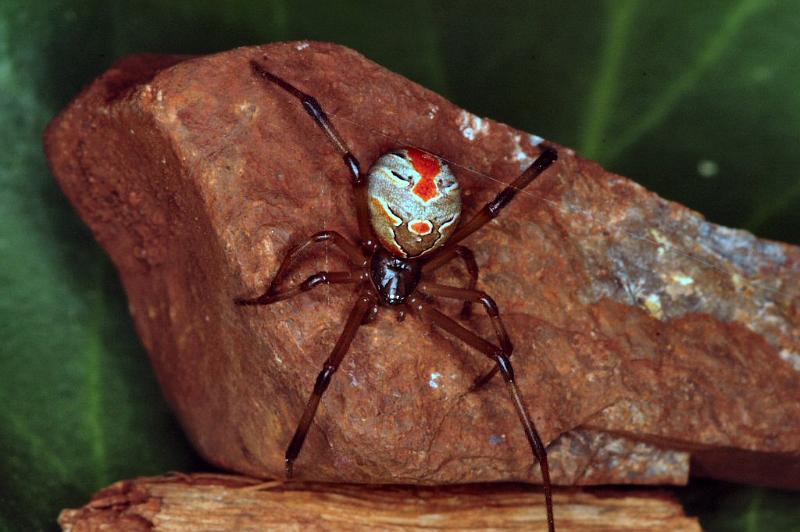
221 502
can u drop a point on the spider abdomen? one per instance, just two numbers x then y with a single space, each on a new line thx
414 201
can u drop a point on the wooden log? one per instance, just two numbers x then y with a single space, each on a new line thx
223 502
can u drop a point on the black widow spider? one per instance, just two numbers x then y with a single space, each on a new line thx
408 207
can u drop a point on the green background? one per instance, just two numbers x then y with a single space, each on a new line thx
699 101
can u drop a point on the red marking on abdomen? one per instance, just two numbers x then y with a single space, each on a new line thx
428 167
422 227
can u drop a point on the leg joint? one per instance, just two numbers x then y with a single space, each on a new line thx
508 347
464 252
489 305
355 169
324 379
505 366
323 236
315 280
313 108
494 207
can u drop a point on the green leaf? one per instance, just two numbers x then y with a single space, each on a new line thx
696 100
79 407
728 507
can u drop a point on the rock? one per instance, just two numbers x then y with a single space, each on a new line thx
222 502
642 331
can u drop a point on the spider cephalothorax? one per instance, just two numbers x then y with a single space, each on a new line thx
408 209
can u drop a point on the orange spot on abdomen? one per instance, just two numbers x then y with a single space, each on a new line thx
428 167
422 227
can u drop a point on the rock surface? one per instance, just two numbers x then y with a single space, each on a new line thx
218 502
642 332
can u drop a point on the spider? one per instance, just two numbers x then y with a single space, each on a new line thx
408 207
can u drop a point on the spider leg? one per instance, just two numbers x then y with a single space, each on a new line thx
484 379
354 321
465 254
371 314
319 278
491 310
473 296
493 208
314 109
429 314
352 252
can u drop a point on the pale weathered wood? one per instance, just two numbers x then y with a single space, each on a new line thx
222 502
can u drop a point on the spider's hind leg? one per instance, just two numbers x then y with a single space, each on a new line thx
318 115
354 321
428 314
465 254
476 296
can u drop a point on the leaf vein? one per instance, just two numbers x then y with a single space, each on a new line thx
662 105
603 96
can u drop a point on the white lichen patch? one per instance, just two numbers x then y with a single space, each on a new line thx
301 46
662 241
681 285
247 109
519 154
433 382
432 110
791 357
160 96
653 305
636 416
681 279
471 126
742 249
659 237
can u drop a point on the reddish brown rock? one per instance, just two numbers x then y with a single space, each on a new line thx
220 502
642 331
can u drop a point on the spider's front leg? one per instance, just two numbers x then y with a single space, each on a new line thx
428 314
469 295
493 208
318 115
